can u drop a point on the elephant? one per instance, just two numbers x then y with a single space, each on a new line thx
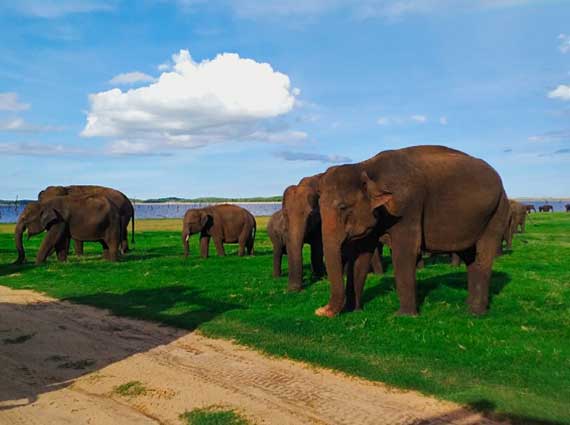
530 208
429 198
224 223
277 232
546 208
302 224
125 206
85 218
567 206
518 211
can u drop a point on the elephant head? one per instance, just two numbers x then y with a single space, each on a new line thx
301 212
350 204
195 221
33 218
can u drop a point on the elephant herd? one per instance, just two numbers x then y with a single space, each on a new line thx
416 200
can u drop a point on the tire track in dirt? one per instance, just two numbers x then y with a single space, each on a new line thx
66 372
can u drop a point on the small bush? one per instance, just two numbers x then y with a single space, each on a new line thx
213 415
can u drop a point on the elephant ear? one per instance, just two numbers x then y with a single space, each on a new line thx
377 196
205 219
49 216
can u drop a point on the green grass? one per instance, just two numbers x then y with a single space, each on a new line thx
130 389
515 361
213 416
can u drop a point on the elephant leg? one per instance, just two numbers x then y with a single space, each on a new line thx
376 261
113 251
317 263
249 245
105 250
277 260
350 294
219 247
204 246
241 247
62 249
55 234
78 247
405 250
361 267
124 234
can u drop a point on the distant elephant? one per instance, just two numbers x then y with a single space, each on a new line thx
224 223
85 218
546 208
277 232
567 206
425 197
302 222
518 212
126 209
530 208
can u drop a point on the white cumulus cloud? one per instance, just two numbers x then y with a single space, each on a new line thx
20 125
419 118
9 102
131 78
194 104
560 92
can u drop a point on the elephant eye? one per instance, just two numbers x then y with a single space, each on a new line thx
342 206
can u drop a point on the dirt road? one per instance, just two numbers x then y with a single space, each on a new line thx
60 363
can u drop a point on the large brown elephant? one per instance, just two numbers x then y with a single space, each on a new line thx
224 223
85 218
126 209
302 222
429 198
567 206
530 208
546 208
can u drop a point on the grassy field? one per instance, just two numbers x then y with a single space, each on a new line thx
515 362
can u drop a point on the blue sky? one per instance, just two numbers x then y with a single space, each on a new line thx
244 97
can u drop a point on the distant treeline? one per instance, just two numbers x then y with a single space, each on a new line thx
211 199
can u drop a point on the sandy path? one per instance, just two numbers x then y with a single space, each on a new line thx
60 362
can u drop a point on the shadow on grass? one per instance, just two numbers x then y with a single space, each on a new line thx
45 346
487 409
179 306
456 280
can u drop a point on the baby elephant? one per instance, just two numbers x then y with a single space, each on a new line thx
224 223
82 218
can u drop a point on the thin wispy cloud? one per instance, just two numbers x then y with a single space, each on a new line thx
551 136
307 156
129 78
564 46
22 126
561 92
402 120
56 8
363 9
9 101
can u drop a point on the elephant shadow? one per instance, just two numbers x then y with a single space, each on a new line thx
455 280
485 408
50 333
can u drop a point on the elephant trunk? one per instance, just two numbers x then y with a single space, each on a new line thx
186 242
18 239
332 245
295 259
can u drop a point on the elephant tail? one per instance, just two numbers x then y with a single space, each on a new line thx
133 228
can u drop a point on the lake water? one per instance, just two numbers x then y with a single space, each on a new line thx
9 214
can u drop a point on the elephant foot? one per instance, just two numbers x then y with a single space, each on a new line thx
294 288
325 311
478 309
20 261
407 311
